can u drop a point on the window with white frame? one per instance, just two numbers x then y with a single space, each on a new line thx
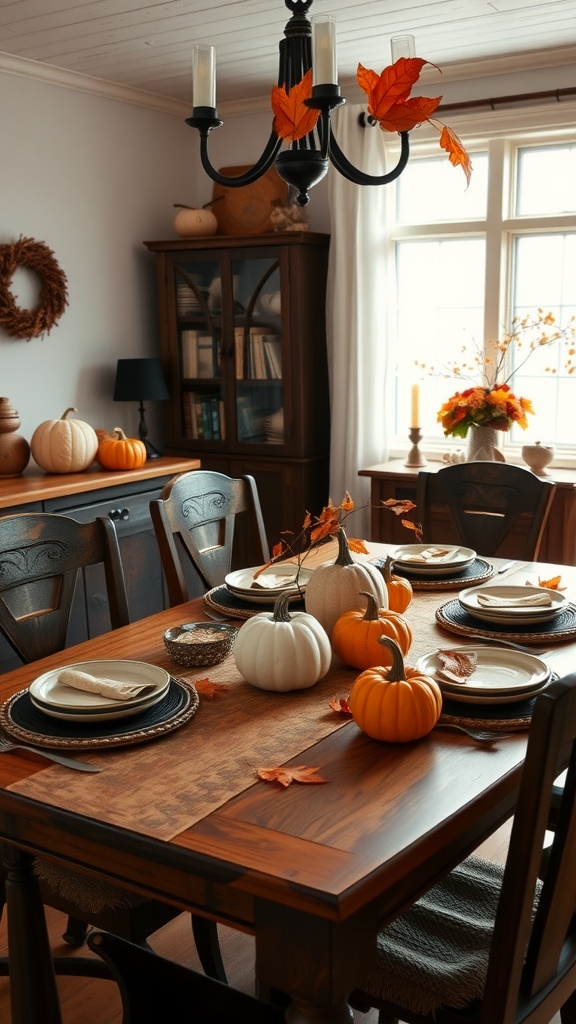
464 262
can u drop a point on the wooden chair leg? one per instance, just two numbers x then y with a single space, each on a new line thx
76 932
205 934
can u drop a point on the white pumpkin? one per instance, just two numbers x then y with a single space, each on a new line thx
282 651
191 223
64 446
336 587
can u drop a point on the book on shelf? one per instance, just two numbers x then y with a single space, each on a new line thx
205 348
203 417
239 352
189 343
272 346
256 359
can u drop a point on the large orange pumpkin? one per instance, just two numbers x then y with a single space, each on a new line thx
395 704
120 452
355 637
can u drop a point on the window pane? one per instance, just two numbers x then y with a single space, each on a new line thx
433 190
546 180
440 308
545 278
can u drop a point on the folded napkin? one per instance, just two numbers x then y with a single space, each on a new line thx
530 601
431 554
273 582
105 687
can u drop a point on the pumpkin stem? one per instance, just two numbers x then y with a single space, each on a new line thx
120 435
371 614
396 672
281 613
387 570
344 555
71 409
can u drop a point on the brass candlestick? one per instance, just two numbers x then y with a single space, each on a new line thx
415 458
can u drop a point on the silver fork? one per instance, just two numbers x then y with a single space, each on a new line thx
7 745
476 734
526 648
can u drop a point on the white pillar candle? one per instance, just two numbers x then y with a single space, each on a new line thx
402 46
203 76
324 50
415 407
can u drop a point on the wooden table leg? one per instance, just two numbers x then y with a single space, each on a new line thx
33 991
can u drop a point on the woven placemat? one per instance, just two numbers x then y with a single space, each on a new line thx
22 720
478 571
562 627
222 600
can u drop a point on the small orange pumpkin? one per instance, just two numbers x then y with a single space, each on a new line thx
120 452
355 637
399 589
395 704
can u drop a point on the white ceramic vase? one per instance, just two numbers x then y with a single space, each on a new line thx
482 445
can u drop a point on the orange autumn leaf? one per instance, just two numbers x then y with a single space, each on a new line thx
399 506
457 154
413 526
357 546
301 773
340 705
209 689
552 584
292 119
390 88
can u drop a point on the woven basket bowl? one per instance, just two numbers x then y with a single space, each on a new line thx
200 643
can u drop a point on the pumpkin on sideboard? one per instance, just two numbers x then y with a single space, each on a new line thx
336 587
396 704
194 223
117 451
282 651
64 446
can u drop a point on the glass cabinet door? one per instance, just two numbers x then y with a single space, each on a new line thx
198 300
258 378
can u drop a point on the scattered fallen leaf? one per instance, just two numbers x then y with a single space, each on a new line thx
209 689
301 773
552 584
456 665
340 704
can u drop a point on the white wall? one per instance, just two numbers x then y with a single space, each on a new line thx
91 178
94 177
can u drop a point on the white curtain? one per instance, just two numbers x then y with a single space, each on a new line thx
356 317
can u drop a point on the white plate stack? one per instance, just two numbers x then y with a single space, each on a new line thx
67 703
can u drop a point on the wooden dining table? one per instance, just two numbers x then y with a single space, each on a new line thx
311 870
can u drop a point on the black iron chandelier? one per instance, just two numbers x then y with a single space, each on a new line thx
306 162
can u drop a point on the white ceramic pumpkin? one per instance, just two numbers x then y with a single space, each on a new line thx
337 587
282 651
64 446
192 223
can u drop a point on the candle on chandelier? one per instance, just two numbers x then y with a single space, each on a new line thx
204 76
415 407
324 69
402 46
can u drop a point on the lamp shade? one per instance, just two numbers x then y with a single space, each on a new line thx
139 380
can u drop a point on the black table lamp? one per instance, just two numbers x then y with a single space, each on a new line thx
140 380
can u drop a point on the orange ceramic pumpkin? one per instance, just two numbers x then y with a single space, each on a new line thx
395 704
355 637
120 452
399 589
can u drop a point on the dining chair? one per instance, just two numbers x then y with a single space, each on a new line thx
153 989
41 557
195 519
493 507
492 944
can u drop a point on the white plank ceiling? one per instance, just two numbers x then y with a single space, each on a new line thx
147 44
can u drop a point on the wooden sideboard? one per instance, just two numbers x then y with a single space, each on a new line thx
395 480
124 496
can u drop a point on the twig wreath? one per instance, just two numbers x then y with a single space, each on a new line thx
36 256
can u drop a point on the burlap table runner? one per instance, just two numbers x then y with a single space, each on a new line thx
162 787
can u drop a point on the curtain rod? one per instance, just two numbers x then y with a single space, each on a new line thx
527 97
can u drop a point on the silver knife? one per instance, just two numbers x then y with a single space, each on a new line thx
506 566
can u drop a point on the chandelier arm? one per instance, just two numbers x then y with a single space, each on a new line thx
260 167
347 170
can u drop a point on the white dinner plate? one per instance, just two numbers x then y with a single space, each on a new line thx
510 616
47 691
270 584
500 675
433 559
125 710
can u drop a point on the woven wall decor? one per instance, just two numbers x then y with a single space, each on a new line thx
36 256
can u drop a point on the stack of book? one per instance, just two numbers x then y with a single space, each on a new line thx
258 355
203 417
199 355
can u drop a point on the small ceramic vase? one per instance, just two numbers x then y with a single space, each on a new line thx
537 457
482 445
14 449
